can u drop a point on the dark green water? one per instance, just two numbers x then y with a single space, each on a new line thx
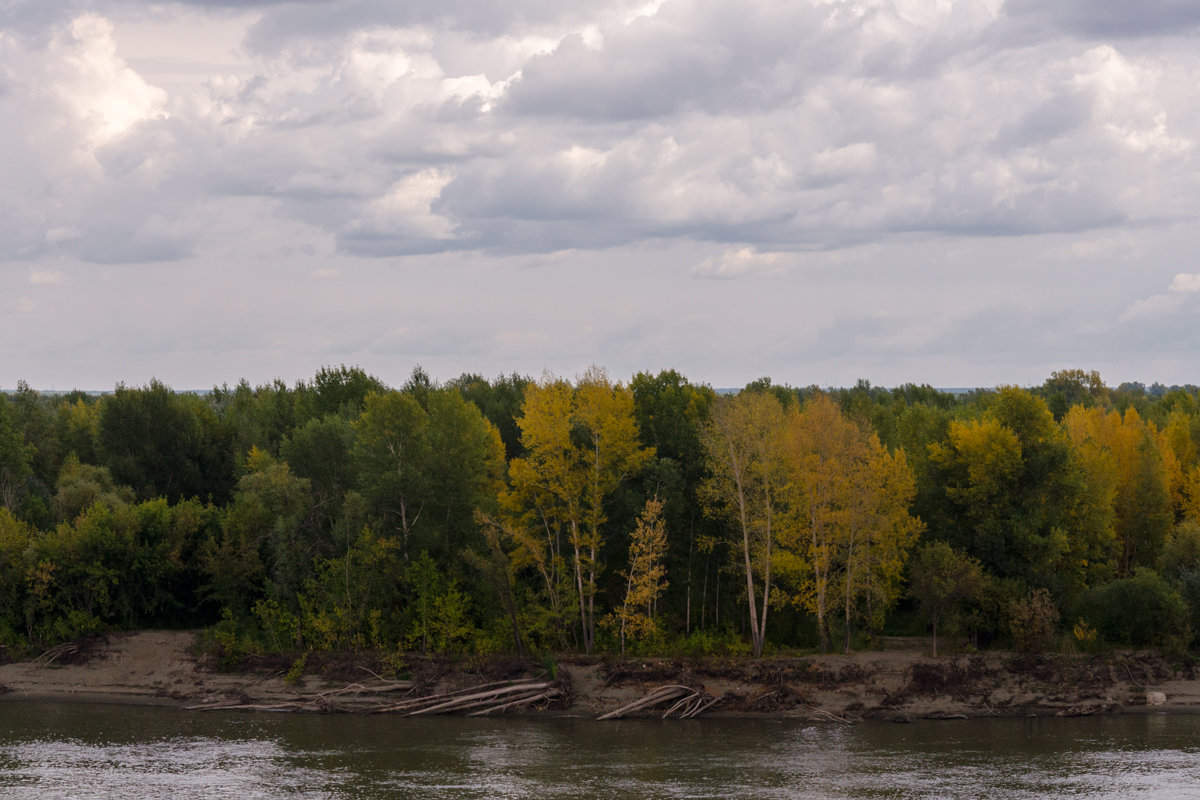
56 750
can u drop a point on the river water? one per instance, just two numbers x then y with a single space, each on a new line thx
63 750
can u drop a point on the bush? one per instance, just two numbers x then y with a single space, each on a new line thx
1142 610
1033 622
701 643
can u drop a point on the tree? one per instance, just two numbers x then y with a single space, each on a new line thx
941 579
848 499
78 428
80 486
427 460
165 444
336 390
645 579
392 449
1068 388
1124 459
321 451
581 443
886 531
500 401
746 462
670 413
14 460
266 532
1007 488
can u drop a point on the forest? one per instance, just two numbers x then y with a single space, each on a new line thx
657 516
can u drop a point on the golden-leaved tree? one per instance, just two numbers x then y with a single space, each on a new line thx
645 580
581 443
849 523
1138 463
742 443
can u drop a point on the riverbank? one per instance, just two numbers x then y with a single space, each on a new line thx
899 683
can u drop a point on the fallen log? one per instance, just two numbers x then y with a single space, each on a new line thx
547 696
701 708
419 702
683 695
480 698
686 701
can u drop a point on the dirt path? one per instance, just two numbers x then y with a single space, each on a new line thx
899 684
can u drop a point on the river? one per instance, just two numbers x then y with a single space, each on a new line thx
65 750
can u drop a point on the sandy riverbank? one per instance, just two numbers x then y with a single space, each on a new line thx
898 683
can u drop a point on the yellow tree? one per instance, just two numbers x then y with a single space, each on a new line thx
849 499
882 531
645 580
1093 542
580 445
1131 452
1179 455
742 443
545 493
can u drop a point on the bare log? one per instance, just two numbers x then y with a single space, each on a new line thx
681 704
418 702
536 697
659 695
702 708
471 699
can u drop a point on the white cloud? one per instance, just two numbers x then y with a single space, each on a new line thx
968 156
1153 308
1185 283
45 277
739 262
96 85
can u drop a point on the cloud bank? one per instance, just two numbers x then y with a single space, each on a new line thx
825 159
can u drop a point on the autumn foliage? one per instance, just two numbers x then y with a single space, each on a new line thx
592 514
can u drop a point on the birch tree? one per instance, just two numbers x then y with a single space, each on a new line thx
742 446
581 444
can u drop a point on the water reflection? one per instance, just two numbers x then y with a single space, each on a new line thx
63 750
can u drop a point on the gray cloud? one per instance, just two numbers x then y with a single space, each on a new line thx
801 151
1107 19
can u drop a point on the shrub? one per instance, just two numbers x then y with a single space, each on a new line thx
1033 622
1142 610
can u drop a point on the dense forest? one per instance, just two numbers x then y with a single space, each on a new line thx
654 516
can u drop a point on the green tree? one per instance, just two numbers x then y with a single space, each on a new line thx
941 580
671 413
165 444
1008 488
392 450
321 450
336 390
500 401
80 486
14 461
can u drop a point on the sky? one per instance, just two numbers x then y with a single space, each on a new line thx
952 192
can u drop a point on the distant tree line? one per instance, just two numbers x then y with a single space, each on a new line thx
656 515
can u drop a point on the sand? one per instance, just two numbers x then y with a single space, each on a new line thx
900 683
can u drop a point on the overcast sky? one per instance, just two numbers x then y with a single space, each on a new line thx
954 192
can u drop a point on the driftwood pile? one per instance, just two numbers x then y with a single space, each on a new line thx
63 651
479 701
397 697
686 702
